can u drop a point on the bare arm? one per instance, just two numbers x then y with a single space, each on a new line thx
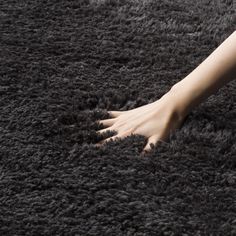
156 120
215 71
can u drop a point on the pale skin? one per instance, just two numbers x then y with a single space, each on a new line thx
158 119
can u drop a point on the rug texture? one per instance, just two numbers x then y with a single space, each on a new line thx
63 65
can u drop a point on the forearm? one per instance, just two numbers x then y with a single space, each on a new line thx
215 71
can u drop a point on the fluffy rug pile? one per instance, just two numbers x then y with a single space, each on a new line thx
63 64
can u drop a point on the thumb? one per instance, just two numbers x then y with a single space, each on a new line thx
151 143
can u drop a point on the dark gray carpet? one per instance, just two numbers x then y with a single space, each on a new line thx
62 65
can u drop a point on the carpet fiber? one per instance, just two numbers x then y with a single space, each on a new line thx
63 64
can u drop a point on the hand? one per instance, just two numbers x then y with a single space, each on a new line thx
154 121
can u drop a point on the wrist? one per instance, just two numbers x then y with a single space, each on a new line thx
179 101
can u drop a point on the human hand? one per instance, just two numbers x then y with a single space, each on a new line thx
155 121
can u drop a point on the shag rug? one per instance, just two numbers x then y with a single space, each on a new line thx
63 64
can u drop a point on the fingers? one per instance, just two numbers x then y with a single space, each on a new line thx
115 137
108 139
110 122
107 122
115 113
103 130
151 143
